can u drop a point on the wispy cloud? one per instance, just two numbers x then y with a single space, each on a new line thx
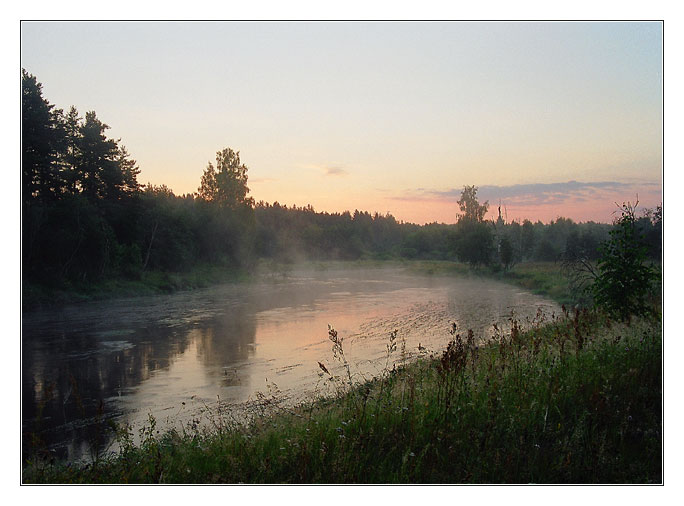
327 169
534 194
262 180
335 171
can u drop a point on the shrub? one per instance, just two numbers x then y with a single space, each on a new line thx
625 279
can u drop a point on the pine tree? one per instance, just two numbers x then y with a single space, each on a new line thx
42 135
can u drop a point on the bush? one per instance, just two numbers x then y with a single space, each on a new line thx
625 280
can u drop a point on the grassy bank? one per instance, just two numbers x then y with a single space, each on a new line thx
572 400
542 278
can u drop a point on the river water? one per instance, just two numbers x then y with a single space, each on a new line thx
173 356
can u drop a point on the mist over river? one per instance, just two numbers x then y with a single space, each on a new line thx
172 356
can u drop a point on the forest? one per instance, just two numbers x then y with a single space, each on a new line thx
86 217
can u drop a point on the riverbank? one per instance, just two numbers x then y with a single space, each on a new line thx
35 296
576 399
150 283
541 278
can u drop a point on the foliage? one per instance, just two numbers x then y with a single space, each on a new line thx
472 210
506 253
625 279
527 239
546 251
474 237
226 184
475 242
650 225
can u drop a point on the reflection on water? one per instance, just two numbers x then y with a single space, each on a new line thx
169 356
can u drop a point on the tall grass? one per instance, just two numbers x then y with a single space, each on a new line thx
570 399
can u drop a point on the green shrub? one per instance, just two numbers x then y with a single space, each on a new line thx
625 279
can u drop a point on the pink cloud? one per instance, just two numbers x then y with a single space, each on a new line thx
581 201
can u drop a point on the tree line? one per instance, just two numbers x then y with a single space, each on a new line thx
86 217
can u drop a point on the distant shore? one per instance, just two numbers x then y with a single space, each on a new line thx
542 278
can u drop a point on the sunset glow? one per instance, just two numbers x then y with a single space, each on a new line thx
548 119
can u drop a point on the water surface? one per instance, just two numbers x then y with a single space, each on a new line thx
174 355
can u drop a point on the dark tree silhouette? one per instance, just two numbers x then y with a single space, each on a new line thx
42 136
475 238
226 183
103 169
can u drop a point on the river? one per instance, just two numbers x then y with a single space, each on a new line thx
173 356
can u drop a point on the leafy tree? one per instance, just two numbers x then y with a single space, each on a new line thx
475 243
625 280
589 244
472 210
573 246
166 231
651 226
226 183
546 251
527 239
514 234
228 228
506 252
475 238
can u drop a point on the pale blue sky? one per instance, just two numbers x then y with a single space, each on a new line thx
377 116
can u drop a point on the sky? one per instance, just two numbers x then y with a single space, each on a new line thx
547 119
